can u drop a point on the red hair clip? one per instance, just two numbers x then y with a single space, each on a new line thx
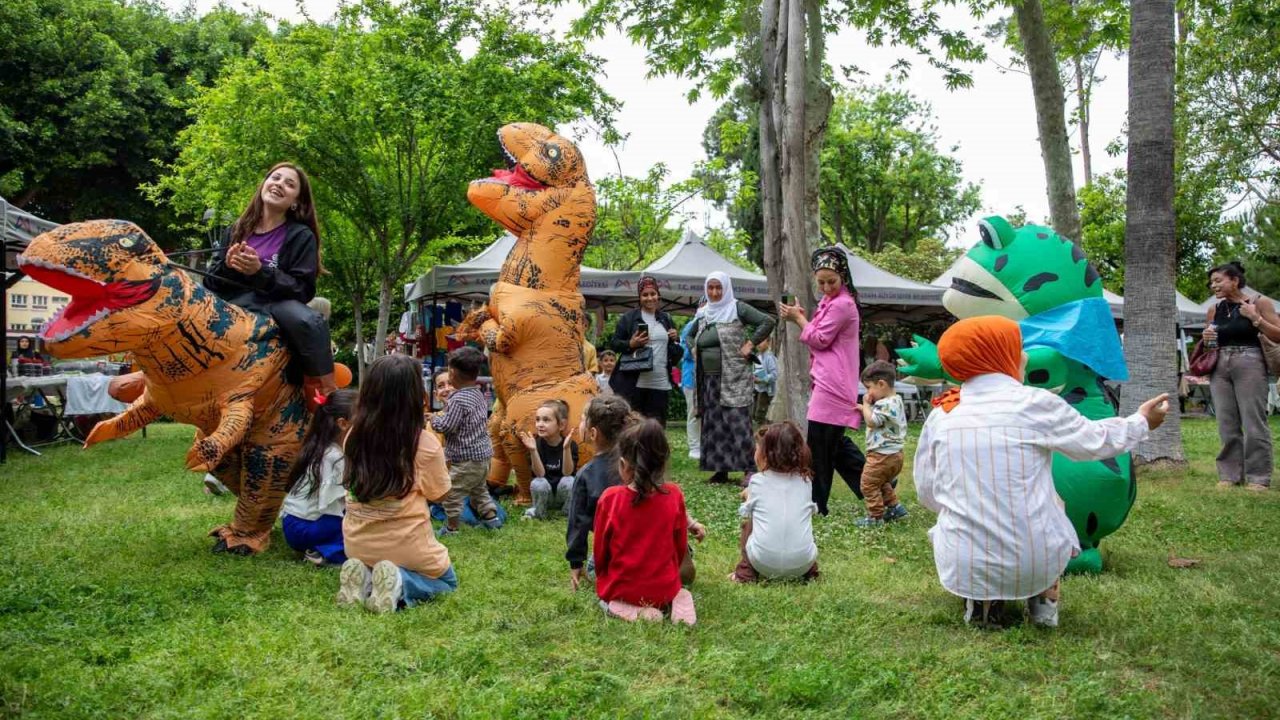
319 398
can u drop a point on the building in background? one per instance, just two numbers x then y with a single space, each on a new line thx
30 305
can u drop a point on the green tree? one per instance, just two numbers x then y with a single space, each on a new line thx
634 217
1229 89
1081 33
929 258
779 47
1253 238
885 181
389 117
1197 207
89 104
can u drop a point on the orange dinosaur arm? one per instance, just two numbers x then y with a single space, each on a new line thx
141 413
233 425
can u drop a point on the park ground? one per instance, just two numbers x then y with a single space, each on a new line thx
111 605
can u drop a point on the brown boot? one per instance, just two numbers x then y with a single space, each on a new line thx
314 389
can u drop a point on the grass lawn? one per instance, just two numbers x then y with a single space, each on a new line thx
111 605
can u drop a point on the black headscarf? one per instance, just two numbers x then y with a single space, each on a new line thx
833 258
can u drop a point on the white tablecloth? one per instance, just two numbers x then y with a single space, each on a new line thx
87 395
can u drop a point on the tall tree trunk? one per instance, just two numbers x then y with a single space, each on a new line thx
1082 116
385 295
818 100
1046 86
1150 246
358 314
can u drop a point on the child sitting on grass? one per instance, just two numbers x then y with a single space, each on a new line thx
464 422
311 516
604 419
553 456
777 532
393 469
642 533
985 465
886 420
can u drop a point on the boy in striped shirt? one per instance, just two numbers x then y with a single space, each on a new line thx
464 425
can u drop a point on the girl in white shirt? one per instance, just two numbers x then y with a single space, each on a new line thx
312 513
984 464
777 530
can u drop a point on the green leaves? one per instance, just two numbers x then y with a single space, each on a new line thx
390 118
884 179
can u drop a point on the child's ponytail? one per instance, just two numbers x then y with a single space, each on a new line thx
322 433
645 449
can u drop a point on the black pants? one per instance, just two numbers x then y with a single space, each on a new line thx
306 334
833 452
650 403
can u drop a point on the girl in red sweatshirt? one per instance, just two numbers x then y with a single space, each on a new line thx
641 533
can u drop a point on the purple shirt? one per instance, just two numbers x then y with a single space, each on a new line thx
268 244
832 337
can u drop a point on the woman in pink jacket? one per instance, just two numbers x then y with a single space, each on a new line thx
832 337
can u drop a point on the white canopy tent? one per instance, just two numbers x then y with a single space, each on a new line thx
884 297
472 279
681 273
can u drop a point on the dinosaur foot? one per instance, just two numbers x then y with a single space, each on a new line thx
233 543
1088 562
222 547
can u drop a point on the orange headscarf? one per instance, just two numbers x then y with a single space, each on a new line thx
979 346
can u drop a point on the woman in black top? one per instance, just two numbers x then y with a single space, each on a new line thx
648 391
270 266
1239 380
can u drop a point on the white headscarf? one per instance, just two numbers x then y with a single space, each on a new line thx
725 310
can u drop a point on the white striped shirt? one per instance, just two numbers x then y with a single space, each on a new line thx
986 469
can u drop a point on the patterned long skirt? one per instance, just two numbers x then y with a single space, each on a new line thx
728 444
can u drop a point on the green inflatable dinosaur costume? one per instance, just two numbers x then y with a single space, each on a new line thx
1043 281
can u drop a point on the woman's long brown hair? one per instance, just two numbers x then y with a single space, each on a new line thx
388 422
305 212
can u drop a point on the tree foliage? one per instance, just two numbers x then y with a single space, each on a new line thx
90 100
884 179
1230 92
635 216
1253 238
390 118
929 258
1197 206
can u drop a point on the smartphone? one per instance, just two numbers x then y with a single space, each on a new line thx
788 299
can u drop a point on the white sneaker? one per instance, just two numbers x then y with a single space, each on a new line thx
1044 613
388 588
214 486
353 584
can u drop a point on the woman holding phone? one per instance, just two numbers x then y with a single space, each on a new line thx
647 346
832 337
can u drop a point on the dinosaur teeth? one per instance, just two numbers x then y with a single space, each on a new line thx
24 261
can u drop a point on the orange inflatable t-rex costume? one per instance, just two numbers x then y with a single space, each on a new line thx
206 362
533 325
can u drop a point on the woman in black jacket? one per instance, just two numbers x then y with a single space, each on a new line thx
270 266
648 391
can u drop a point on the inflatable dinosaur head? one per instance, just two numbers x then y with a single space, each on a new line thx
112 271
542 169
1019 273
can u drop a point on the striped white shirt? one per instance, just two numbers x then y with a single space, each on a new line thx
986 469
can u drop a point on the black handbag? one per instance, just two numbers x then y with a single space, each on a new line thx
638 360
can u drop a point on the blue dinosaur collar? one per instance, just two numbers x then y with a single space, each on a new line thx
1083 331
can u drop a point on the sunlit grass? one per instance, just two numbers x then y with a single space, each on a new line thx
112 606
